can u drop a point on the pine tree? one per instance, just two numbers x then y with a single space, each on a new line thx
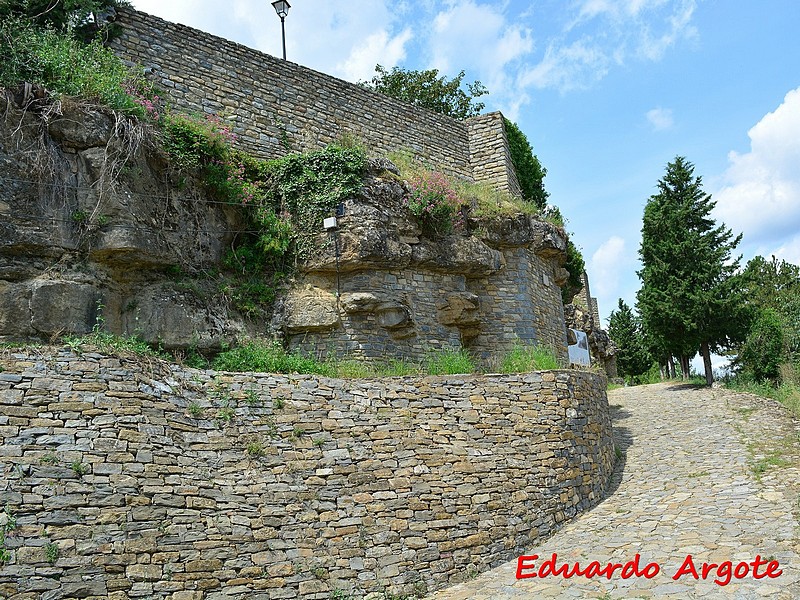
690 297
624 328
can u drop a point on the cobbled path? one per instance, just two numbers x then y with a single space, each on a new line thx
706 472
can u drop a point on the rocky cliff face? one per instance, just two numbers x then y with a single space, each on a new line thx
94 228
378 287
91 228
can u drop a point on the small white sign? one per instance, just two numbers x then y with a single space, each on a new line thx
579 352
329 223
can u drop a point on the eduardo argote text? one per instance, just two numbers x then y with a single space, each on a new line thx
722 573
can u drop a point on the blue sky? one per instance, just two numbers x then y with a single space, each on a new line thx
607 91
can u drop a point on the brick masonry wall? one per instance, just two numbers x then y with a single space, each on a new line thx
132 479
277 106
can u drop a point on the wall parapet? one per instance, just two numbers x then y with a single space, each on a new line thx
277 106
155 480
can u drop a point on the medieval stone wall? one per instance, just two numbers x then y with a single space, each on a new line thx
278 106
130 479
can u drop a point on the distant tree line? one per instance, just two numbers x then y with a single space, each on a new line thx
695 297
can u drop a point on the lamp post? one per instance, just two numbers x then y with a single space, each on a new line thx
282 8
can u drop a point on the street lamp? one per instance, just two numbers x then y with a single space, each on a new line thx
282 8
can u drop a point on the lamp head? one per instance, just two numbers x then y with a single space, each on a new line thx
281 7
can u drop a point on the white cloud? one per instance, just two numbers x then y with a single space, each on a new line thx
601 33
760 193
606 265
653 46
378 48
660 118
476 37
568 67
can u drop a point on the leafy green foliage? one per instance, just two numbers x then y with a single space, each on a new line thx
522 359
434 202
428 90
625 329
776 286
196 143
8 523
306 188
78 18
530 172
486 199
285 199
762 353
690 296
67 67
110 343
268 357
449 362
575 266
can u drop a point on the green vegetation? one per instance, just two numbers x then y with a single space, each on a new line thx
79 468
268 357
255 449
428 90
575 264
51 552
226 415
8 523
66 67
78 19
522 359
786 390
434 202
260 356
690 297
530 172
633 357
450 362
195 410
109 343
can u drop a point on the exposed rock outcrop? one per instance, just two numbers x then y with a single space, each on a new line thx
392 291
93 231
90 229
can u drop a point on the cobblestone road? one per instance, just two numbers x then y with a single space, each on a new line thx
710 473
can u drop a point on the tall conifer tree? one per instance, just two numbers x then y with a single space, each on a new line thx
624 328
689 299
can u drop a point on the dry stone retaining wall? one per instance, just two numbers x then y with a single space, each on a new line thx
154 481
277 106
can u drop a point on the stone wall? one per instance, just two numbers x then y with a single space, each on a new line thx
277 106
490 154
132 479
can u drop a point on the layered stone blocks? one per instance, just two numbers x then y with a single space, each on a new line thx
278 106
131 479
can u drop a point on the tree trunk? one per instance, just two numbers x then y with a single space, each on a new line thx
707 362
684 367
670 367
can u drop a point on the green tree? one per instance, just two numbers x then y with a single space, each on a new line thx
77 17
772 294
428 90
762 353
530 172
690 298
625 329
